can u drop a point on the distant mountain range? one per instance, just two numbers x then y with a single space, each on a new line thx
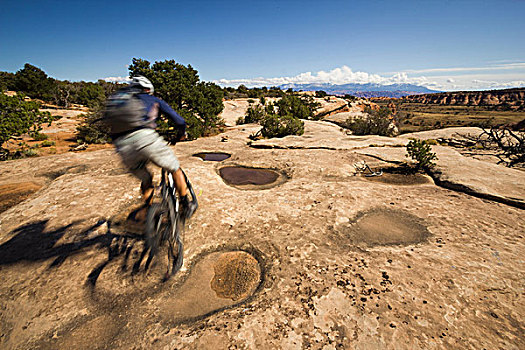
363 90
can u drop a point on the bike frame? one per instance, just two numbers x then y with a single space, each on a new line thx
169 194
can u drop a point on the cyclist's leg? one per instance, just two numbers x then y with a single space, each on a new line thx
180 183
162 155
128 147
146 188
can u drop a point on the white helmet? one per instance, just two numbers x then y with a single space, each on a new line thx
142 82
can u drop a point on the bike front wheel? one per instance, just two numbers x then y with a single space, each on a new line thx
161 228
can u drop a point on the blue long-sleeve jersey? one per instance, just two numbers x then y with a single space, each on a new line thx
155 106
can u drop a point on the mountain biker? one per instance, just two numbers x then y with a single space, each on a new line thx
138 144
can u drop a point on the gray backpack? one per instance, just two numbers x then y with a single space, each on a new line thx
125 112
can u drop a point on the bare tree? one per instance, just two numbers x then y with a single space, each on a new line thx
509 144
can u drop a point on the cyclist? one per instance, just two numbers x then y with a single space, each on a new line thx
138 143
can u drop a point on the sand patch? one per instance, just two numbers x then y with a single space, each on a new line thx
379 227
400 176
218 281
236 275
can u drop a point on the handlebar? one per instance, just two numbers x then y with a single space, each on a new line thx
178 137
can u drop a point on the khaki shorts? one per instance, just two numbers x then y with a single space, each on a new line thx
142 146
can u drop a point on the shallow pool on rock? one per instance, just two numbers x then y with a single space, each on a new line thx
213 156
250 178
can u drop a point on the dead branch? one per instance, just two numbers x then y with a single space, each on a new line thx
509 144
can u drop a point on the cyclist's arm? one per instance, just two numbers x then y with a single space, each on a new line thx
170 113
180 123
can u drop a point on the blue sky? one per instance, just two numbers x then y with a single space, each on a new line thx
449 45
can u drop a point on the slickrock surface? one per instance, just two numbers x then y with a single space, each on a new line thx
233 110
325 135
324 260
465 174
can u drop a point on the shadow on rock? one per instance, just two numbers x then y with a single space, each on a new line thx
32 242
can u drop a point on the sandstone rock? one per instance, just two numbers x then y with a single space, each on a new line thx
465 174
512 97
327 274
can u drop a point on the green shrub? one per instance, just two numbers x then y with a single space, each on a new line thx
198 102
18 117
349 98
279 126
30 152
93 129
40 137
377 123
34 82
297 106
254 114
421 152
47 143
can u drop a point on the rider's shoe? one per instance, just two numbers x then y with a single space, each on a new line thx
188 207
138 216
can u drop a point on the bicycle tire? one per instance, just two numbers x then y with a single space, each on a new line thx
158 232
157 220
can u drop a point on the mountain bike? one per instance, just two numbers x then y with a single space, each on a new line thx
165 223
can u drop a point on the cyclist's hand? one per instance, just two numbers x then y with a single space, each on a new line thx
184 137
178 137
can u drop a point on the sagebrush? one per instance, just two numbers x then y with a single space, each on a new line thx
421 152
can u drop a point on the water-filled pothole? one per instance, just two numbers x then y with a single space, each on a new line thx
386 227
12 194
218 281
400 176
251 178
213 156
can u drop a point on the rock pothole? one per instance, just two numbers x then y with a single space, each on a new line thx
54 174
218 281
383 227
14 193
248 178
400 176
237 274
213 156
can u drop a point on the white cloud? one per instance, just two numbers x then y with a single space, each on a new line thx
337 76
468 78
498 84
472 78
506 66
117 79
